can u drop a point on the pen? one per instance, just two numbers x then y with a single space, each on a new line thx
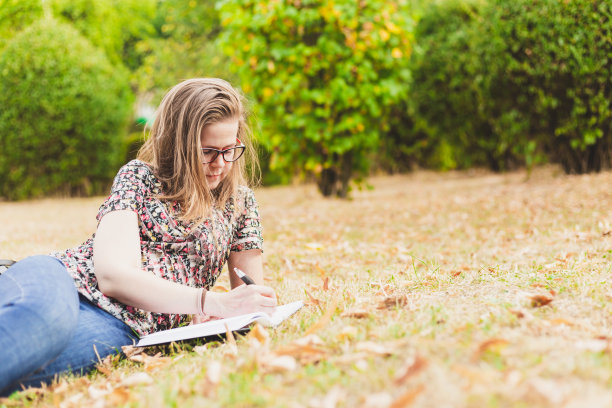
244 277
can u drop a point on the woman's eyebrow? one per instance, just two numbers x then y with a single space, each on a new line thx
220 148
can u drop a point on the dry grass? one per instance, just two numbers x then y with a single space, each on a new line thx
459 289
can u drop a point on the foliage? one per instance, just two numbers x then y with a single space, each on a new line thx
182 47
505 82
115 26
325 76
64 110
15 15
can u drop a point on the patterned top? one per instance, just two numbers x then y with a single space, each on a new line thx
170 248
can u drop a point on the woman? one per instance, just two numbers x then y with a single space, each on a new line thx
174 218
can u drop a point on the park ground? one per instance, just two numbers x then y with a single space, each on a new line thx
465 289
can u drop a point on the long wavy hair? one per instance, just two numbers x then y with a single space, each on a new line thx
173 145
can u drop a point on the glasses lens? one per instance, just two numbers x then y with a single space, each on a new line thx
209 155
233 154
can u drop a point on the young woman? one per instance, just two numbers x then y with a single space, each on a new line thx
174 218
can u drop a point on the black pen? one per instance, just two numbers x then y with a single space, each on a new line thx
244 277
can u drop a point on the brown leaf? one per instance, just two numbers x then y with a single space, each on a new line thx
412 367
371 347
308 349
130 351
494 344
260 334
357 313
119 396
405 400
393 301
279 364
540 300
326 283
314 300
326 318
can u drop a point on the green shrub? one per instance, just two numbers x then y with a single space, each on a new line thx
325 76
64 111
507 83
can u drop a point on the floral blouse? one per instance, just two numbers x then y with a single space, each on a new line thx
170 248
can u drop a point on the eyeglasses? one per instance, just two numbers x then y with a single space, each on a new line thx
232 154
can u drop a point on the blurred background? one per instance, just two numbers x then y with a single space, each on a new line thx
339 89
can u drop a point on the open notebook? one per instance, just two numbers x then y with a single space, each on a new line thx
215 327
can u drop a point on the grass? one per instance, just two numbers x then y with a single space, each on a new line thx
457 289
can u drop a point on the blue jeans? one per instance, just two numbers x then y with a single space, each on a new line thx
47 328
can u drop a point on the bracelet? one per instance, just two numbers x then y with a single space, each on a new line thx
201 298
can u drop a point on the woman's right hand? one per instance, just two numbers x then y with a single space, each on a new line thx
240 300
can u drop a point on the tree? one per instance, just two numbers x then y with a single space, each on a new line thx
325 75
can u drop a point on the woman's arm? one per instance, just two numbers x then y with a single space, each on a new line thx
249 262
118 269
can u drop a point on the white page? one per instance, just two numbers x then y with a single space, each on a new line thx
214 327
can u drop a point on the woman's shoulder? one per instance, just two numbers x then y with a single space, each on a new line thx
136 166
137 173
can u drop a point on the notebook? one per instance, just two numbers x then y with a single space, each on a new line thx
220 326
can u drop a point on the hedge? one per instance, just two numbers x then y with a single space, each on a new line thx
63 116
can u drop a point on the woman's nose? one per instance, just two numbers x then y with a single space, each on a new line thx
219 161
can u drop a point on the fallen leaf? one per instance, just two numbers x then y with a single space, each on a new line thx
306 350
326 283
259 334
326 318
393 302
119 396
232 348
377 400
280 364
407 398
314 300
137 379
494 344
540 300
213 372
357 313
200 350
347 333
371 347
130 351
413 366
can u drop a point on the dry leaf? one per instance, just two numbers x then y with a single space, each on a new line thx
326 318
412 367
306 350
393 302
540 300
137 379
130 351
119 396
494 344
408 398
373 348
357 313
230 343
259 334
280 364
378 400
347 333
314 300
200 350
326 283
213 372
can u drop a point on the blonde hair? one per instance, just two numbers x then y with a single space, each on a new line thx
173 145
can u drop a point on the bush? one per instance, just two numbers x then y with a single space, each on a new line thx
325 76
64 111
505 83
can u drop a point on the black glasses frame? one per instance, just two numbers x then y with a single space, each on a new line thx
237 151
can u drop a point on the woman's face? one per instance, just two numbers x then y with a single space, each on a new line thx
221 135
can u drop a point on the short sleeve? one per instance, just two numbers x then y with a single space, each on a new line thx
129 189
247 232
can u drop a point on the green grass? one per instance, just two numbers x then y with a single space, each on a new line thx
441 270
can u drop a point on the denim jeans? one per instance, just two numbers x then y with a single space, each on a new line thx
47 328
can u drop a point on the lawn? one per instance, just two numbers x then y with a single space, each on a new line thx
465 289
